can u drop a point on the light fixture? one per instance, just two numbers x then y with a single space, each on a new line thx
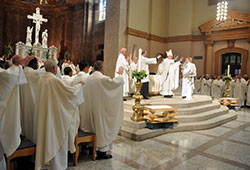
222 10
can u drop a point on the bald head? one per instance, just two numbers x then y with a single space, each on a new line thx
51 66
17 60
123 51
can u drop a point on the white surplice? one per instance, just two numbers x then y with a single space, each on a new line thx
189 73
239 90
58 115
169 70
218 88
10 123
206 87
28 93
121 62
103 107
145 66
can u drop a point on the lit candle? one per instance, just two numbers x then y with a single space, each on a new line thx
228 70
139 60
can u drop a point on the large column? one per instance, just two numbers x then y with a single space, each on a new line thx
209 64
115 33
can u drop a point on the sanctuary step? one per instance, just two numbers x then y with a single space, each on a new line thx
198 114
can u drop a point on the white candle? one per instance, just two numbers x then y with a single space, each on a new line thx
228 70
139 60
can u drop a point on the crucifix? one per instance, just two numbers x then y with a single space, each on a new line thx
37 19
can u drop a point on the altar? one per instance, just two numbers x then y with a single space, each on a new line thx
41 51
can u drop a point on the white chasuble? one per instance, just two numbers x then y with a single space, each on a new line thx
206 86
103 107
10 123
57 111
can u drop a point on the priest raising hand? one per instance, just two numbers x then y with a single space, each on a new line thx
103 108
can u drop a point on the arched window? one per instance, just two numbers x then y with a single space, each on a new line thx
102 10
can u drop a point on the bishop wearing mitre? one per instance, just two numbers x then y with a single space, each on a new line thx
169 71
58 115
103 108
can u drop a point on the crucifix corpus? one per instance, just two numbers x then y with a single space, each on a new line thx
37 19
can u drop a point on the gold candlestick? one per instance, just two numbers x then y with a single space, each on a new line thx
227 89
137 108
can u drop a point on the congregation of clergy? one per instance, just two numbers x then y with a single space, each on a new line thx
48 108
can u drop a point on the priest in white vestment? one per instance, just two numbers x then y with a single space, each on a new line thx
57 112
239 89
145 61
123 61
218 87
231 87
189 73
68 77
84 72
206 84
28 93
10 123
169 71
103 108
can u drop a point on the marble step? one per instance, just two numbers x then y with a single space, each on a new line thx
202 116
177 101
143 134
199 109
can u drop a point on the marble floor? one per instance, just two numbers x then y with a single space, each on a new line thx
226 147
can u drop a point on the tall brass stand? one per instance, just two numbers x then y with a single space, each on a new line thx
227 89
137 108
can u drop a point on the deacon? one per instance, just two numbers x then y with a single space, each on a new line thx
58 115
206 84
169 71
145 61
123 61
218 88
189 73
103 108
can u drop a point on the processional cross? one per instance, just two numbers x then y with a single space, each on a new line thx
37 19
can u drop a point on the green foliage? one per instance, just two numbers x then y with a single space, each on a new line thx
139 75
30 52
68 56
47 54
225 78
8 51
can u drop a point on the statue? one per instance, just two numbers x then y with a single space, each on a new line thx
45 39
38 20
29 36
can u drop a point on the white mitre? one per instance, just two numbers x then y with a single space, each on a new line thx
169 53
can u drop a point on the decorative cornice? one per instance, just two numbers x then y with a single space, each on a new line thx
182 38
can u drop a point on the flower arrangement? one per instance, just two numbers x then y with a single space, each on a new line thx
139 75
8 51
225 78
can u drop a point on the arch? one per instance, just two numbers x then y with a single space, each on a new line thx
218 58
